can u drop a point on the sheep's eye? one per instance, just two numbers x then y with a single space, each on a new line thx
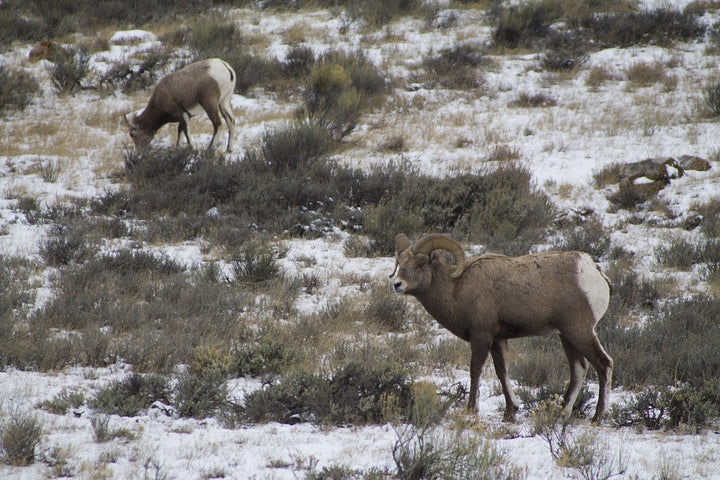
421 265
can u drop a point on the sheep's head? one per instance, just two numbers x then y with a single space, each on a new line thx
140 136
413 263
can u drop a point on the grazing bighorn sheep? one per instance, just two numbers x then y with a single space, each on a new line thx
205 85
491 298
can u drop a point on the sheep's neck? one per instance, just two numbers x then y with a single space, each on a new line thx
152 118
438 302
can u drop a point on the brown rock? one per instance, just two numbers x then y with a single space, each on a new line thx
691 162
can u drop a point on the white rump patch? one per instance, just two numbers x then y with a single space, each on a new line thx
218 71
593 285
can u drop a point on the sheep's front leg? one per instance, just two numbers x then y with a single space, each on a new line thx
184 129
512 404
479 351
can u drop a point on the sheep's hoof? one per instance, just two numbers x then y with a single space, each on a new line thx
597 419
509 415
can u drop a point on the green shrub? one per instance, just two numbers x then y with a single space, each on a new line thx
387 309
679 253
696 407
659 26
523 25
298 61
31 208
130 396
584 452
64 246
540 362
130 77
20 434
711 94
427 453
630 291
16 298
264 357
379 12
306 194
211 36
63 402
158 165
14 27
15 294
297 145
70 68
553 391
679 344
629 198
385 220
355 394
457 67
710 212
298 397
713 34
710 256
564 51
256 263
364 76
512 219
331 101
37 20
200 396
103 433
209 359
106 290
589 237
17 89
251 69
334 472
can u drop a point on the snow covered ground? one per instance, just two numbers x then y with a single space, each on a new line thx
562 146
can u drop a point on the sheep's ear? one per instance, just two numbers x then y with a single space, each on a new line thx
402 243
127 122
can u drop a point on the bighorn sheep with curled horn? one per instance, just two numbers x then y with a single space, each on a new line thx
205 85
491 298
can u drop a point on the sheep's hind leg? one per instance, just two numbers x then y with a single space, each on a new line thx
578 367
604 366
595 354
214 116
498 351
226 112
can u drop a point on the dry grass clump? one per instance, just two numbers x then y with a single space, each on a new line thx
608 175
597 76
533 100
457 67
394 143
645 74
503 153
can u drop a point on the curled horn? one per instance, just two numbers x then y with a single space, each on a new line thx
402 243
436 241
